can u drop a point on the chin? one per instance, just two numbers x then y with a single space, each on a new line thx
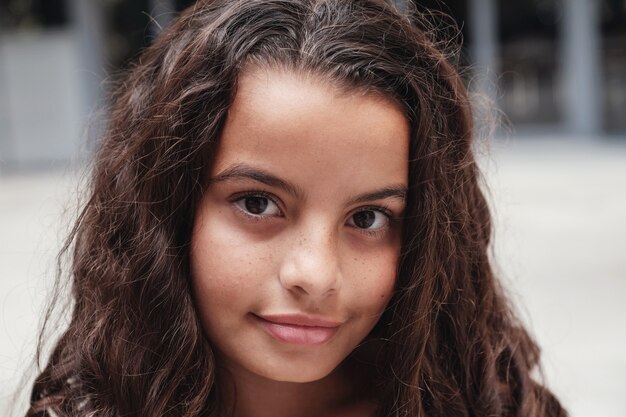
297 372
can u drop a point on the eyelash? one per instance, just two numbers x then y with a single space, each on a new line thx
376 233
258 193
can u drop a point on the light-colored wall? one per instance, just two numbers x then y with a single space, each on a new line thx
41 95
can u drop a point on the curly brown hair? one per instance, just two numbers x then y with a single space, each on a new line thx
135 346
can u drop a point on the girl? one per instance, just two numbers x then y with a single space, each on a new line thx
285 219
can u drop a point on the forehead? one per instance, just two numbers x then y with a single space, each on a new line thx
288 122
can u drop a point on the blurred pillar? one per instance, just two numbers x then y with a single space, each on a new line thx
88 20
483 21
5 120
161 12
580 65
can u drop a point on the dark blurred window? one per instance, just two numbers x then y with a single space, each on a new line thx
183 4
450 17
522 19
614 17
614 63
26 14
127 25
129 28
456 9
529 60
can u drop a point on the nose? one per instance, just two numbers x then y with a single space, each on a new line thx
310 266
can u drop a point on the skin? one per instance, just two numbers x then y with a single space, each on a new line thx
324 171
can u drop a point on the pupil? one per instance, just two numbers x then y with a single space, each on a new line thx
256 205
364 219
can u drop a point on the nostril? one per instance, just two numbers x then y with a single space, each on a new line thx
298 289
311 277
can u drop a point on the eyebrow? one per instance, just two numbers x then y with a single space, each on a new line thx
243 171
394 191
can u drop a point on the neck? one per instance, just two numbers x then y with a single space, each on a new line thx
251 395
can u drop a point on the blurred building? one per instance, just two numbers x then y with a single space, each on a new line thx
552 66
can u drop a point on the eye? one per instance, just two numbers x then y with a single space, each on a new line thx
257 205
369 219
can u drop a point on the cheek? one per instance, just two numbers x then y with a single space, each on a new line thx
230 272
375 278
221 265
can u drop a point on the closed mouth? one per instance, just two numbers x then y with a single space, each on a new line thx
298 329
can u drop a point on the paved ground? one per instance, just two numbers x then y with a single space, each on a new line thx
560 246
561 238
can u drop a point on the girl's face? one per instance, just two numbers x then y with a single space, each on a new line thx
296 239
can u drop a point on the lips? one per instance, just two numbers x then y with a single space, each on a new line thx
298 329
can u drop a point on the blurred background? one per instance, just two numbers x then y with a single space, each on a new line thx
556 170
